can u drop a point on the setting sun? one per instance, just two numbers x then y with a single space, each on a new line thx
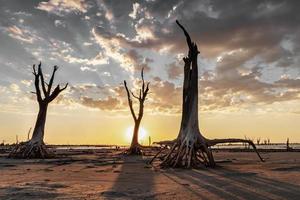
153 99
142 134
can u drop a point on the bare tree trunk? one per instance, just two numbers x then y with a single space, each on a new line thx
135 133
191 148
135 146
38 132
35 147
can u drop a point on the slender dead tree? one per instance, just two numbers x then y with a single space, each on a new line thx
35 147
135 147
191 148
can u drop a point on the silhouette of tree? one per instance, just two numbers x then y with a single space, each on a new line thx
35 147
191 148
135 147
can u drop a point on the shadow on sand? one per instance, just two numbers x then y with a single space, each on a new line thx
135 181
34 190
229 184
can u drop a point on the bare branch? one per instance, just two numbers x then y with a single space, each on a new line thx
188 38
130 101
143 84
146 91
34 70
51 79
134 95
56 92
40 73
36 84
140 95
64 87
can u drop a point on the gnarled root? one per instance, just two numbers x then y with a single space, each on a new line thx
134 150
31 150
187 154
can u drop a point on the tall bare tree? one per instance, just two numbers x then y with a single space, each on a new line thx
191 148
135 147
35 147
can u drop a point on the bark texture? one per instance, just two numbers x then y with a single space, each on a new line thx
191 148
135 147
35 147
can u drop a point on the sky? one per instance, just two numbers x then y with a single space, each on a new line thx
249 73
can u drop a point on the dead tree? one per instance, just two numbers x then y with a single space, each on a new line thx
191 148
135 147
35 147
257 141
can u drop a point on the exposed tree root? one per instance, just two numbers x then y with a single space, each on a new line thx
233 140
31 150
158 153
189 154
134 150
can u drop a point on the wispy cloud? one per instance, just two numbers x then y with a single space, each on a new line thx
61 7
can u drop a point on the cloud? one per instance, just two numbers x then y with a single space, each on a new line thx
27 83
114 48
59 23
15 88
245 48
145 37
66 52
136 9
288 83
99 59
60 7
232 84
215 26
217 92
109 15
174 70
23 34
165 97
137 60
111 47
109 103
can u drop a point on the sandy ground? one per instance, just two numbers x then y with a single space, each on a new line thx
108 175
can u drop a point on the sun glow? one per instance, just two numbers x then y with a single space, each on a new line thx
142 134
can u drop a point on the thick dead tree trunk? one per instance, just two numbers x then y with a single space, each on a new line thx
191 148
135 147
35 147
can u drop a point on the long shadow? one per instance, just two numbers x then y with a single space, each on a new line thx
268 186
34 190
229 184
135 181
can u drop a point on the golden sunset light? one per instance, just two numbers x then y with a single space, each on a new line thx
143 135
111 99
